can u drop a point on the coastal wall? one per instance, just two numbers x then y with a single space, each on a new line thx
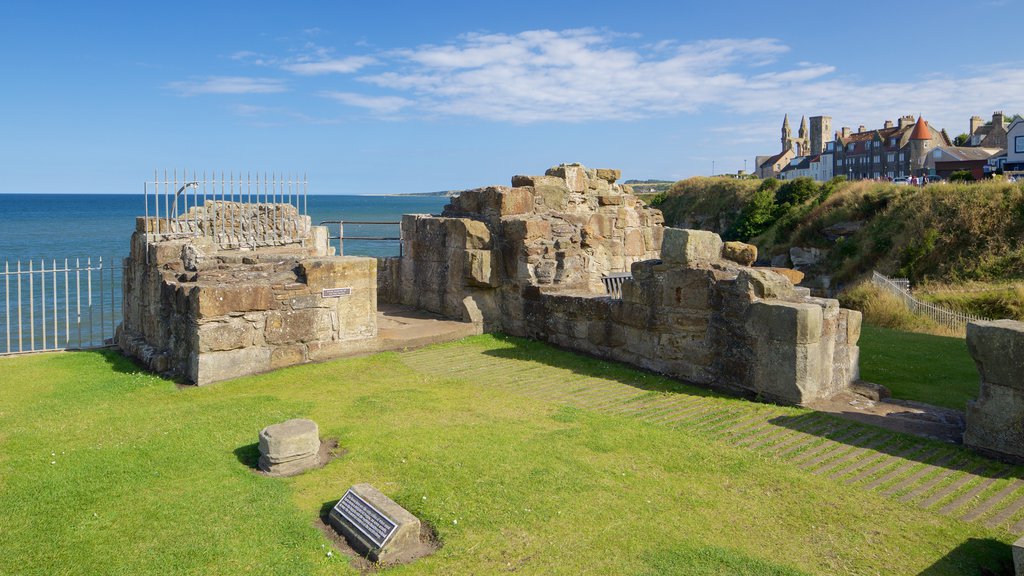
995 420
198 312
528 261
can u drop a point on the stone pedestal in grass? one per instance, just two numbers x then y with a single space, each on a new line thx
376 526
290 447
995 420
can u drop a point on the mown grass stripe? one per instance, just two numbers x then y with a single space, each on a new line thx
831 441
979 510
828 428
1006 513
949 458
838 448
782 436
953 486
966 497
901 462
856 458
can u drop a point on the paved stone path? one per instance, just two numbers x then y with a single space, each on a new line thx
944 478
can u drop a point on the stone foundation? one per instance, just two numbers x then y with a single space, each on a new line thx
199 312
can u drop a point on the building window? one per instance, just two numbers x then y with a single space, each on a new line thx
877 158
901 156
1018 145
890 157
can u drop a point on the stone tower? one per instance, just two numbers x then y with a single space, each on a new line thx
787 134
821 133
920 138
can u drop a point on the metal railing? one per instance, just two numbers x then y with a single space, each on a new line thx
69 306
341 233
900 287
235 210
613 283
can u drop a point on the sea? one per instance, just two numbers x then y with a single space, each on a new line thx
78 305
44 227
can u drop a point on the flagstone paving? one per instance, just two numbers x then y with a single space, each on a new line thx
944 478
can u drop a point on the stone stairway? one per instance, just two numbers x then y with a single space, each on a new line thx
944 478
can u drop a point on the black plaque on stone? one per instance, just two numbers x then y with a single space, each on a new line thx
361 515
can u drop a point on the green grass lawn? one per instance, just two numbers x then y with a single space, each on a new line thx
933 369
105 470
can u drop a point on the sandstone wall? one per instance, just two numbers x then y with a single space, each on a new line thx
242 225
528 261
995 420
198 312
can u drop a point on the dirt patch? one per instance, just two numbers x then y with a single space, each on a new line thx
428 544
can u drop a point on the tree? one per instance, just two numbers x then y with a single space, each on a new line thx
961 176
961 139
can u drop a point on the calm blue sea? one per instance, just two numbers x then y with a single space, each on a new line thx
48 226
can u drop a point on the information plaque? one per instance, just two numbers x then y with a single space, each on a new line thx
375 526
335 292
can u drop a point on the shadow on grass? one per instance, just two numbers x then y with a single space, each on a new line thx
981 556
249 455
593 367
896 444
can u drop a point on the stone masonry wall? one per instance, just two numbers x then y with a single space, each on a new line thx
527 261
995 420
200 313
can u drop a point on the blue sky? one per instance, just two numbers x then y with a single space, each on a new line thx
389 97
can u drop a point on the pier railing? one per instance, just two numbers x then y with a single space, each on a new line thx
59 305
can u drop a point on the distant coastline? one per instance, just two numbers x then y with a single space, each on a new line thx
442 194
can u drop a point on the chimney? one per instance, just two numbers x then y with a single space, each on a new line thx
861 128
888 124
907 121
997 119
976 122
846 131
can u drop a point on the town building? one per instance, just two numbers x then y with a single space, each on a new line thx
945 160
1015 147
895 151
988 135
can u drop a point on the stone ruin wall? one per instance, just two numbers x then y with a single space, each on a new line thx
242 225
199 312
995 420
528 260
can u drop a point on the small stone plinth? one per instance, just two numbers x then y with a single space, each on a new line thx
995 420
376 526
290 447
1018 557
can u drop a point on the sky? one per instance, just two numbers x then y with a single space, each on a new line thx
395 97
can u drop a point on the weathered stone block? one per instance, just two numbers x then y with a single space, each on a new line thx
552 191
785 322
998 350
290 447
575 176
479 270
740 252
995 422
287 356
1018 557
609 175
212 367
690 247
763 283
292 326
339 271
225 335
518 200
609 200
213 301
471 234
403 541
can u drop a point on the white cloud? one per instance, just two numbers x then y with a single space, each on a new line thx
384 105
228 85
345 65
586 75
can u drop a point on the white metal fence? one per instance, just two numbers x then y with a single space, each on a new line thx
74 304
235 210
900 287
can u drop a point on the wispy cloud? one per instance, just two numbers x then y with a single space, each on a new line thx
383 105
346 65
228 85
585 75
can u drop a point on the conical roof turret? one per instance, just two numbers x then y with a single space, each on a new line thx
921 130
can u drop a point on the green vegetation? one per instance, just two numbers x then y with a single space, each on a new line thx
933 369
987 300
104 470
885 310
941 232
